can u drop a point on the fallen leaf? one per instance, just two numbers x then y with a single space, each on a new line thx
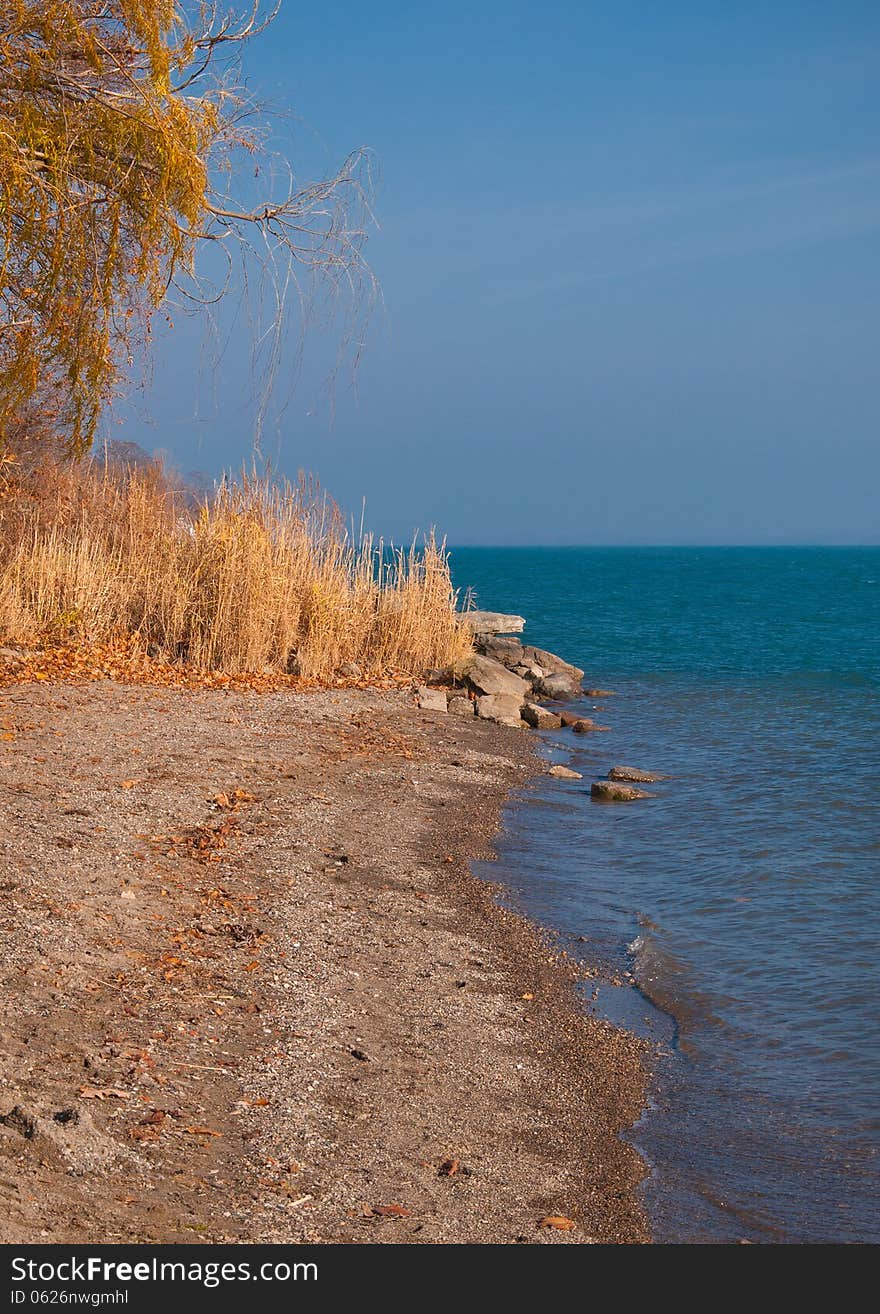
449 1167
559 1222
128 784
202 1131
390 1211
103 1093
222 800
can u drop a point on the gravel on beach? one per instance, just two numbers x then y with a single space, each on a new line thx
252 990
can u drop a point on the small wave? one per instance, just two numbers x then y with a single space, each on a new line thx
668 983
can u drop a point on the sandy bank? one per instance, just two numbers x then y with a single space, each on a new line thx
251 990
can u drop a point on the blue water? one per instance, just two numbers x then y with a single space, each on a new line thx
743 897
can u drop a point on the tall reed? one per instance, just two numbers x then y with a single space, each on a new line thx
260 575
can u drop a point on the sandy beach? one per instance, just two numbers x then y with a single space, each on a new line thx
252 991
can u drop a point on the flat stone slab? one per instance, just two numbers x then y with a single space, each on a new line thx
493 622
431 700
609 791
634 773
564 773
540 718
489 677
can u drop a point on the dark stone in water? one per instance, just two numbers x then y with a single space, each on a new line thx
635 774
609 791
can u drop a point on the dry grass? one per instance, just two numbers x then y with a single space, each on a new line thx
260 576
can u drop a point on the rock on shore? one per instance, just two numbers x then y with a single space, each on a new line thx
540 717
487 676
431 700
503 679
502 708
503 664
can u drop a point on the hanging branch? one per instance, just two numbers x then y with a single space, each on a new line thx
118 121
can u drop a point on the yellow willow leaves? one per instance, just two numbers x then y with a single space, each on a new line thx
103 188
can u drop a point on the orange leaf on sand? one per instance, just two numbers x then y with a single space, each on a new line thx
103 1093
559 1222
128 784
449 1168
222 800
388 1211
202 1131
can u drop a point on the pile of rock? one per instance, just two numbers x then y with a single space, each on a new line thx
504 679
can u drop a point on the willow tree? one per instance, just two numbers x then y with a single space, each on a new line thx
122 131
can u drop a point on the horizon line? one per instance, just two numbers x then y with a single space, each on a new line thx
667 546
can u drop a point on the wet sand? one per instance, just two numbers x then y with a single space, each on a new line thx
252 991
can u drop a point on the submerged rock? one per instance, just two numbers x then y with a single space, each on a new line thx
568 718
492 622
488 676
431 700
564 773
599 693
609 791
634 773
584 726
502 708
541 718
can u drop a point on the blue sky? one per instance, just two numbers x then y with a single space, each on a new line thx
630 257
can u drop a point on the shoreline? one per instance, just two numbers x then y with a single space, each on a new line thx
336 1031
